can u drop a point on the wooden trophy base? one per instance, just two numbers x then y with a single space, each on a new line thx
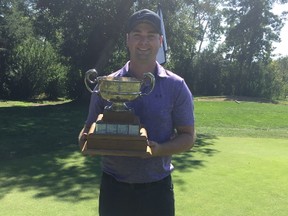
116 144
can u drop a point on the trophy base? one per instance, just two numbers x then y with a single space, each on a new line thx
110 152
116 145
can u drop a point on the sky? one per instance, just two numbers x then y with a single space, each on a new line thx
282 47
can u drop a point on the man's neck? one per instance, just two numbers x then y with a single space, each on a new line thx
137 70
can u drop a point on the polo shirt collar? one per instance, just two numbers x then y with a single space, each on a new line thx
160 71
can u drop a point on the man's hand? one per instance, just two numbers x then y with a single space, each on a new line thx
155 148
183 141
82 138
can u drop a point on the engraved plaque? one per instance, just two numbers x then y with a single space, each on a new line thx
112 128
123 129
101 128
134 129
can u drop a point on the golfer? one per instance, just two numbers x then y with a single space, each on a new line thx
136 186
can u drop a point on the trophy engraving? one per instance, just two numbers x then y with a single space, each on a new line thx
118 130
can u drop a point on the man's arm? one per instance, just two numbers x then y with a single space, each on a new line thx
185 139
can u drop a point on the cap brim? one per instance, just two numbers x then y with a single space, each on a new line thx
144 21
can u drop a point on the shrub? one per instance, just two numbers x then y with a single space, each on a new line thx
35 69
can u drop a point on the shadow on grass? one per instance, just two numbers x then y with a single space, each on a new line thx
39 129
187 162
38 152
64 175
68 176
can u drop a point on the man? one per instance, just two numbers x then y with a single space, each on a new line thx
134 186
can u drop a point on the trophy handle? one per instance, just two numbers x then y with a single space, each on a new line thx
151 79
88 79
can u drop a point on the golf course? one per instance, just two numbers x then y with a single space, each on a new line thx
237 167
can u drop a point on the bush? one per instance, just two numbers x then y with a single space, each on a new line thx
35 69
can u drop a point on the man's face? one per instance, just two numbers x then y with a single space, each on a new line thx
143 43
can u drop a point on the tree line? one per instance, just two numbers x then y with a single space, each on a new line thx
220 47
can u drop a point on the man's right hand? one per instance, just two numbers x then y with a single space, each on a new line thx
82 138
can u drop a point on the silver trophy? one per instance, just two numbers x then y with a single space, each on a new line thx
118 128
119 90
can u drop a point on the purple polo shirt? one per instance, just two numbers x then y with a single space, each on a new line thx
170 104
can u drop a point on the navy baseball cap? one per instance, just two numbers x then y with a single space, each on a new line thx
144 16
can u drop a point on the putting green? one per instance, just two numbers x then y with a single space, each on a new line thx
235 176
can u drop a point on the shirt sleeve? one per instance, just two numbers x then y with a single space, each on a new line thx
96 107
183 112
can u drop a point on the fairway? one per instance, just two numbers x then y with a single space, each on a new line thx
238 166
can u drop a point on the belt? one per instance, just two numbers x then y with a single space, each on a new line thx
111 179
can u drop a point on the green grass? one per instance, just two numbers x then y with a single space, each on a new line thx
29 130
252 119
238 166
58 183
243 176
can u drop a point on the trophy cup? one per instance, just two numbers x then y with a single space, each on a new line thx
118 130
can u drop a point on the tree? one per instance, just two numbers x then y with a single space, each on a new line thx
213 54
251 29
279 70
15 26
88 32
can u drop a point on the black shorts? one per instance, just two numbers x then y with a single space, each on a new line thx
147 199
